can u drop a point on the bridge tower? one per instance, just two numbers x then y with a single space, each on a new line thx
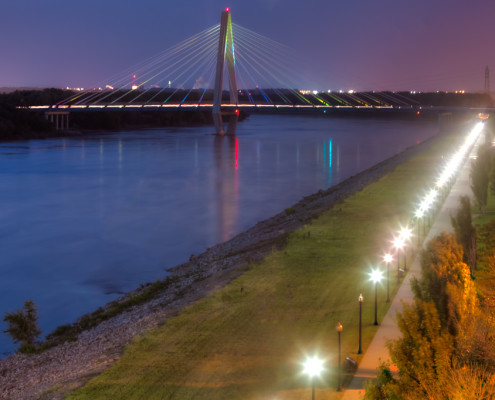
225 53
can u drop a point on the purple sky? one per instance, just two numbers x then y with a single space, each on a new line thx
352 44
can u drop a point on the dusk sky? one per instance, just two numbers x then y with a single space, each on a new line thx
356 44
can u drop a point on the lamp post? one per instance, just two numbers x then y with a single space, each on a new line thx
428 205
339 384
376 276
425 211
398 243
360 315
313 367
428 209
418 215
388 259
405 234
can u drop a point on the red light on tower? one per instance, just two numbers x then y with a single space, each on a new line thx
134 76
227 9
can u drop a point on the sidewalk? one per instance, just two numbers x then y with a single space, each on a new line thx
377 351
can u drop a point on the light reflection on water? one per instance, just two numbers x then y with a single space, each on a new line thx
85 219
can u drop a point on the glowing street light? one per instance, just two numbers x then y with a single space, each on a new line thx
313 367
405 234
424 207
398 244
339 331
376 276
419 214
429 200
388 259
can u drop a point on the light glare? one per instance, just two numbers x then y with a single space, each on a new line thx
313 366
376 275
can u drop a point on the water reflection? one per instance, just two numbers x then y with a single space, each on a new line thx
330 150
82 220
227 183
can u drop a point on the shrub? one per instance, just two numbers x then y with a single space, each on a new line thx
23 324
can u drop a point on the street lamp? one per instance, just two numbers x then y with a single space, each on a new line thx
427 203
419 214
360 298
405 234
425 207
376 276
313 367
339 330
388 259
398 244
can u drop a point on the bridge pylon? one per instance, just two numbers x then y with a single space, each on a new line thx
225 53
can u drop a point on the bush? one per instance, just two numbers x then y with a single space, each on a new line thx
23 324
290 211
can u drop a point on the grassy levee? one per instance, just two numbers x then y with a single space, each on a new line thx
247 340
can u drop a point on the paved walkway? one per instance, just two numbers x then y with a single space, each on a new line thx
377 351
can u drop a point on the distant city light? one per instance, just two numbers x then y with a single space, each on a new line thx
351 91
109 87
315 91
134 87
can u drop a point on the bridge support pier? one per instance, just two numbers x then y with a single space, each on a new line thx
220 125
58 118
225 52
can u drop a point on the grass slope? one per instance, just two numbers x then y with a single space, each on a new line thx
247 340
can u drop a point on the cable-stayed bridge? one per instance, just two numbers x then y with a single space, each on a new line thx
256 73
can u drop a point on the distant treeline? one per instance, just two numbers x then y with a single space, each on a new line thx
17 123
444 99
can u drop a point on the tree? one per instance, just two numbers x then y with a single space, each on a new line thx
23 324
465 232
486 238
446 281
480 177
446 340
424 351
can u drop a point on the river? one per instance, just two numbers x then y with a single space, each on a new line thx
85 219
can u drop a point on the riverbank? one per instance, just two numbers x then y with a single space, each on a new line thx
73 363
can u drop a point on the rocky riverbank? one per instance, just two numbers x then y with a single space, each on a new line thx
67 366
